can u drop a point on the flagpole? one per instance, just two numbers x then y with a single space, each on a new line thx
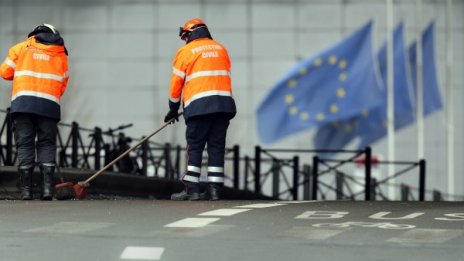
449 98
390 100
419 83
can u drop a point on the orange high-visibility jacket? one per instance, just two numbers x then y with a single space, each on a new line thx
40 75
201 76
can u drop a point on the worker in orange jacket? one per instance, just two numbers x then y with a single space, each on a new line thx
38 68
201 79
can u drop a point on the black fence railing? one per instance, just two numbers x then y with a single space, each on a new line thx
279 173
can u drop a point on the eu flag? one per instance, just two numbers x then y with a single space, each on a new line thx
370 125
432 96
334 84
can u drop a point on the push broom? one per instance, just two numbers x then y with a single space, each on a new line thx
64 190
80 188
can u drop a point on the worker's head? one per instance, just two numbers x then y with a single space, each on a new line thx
193 29
44 28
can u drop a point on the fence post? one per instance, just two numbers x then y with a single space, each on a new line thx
404 192
257 169
275 178
306 182
97 136
315 177
437 195
167 157
74 144
368 177
422 169
178 161
236 166
296 164
9 138
247 165
372 191
339 180
145 157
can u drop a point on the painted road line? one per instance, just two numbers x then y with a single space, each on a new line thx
313 233
418 236
70 227
261 205
192 222
142 253
297 201
223 212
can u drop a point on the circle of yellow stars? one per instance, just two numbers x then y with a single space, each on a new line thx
341 93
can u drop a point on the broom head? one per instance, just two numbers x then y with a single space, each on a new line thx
64 191
80 191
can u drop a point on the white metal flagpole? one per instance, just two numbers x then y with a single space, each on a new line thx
390 100
419 83
449 97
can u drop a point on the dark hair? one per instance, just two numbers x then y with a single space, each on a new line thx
43 28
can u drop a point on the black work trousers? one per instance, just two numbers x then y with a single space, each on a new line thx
209 130
35 138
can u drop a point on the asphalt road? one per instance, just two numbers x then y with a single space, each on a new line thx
230 230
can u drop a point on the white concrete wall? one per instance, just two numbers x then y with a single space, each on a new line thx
121 51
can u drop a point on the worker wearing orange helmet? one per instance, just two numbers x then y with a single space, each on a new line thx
201 80
38 68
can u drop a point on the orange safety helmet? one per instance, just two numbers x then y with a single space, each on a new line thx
190 26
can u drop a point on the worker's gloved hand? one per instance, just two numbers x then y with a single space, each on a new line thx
171 115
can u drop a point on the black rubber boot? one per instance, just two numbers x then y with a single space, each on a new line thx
46 172
183 195
191 191
25 177
213 191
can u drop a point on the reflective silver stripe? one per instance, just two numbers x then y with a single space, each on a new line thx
194 169
26 167
48 164
216 179
174 100
206 94
207 73
177 72
216 169
36 94
191 179
39 75
10 63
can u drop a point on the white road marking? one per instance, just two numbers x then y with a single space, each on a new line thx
313 233
70 227
223 212
298 201
142 253
192 222
415 236
261 205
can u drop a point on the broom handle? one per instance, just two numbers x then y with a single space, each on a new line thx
128 150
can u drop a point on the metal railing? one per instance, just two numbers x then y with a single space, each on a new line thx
278 173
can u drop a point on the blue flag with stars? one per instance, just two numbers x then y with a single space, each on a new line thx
334 84
432 96
370 125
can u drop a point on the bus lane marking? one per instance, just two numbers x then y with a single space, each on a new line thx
223 212
420 236
192 222
142 253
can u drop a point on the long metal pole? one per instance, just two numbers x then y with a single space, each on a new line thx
449 97
390 98
419 82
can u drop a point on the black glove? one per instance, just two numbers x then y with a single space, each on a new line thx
171 115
